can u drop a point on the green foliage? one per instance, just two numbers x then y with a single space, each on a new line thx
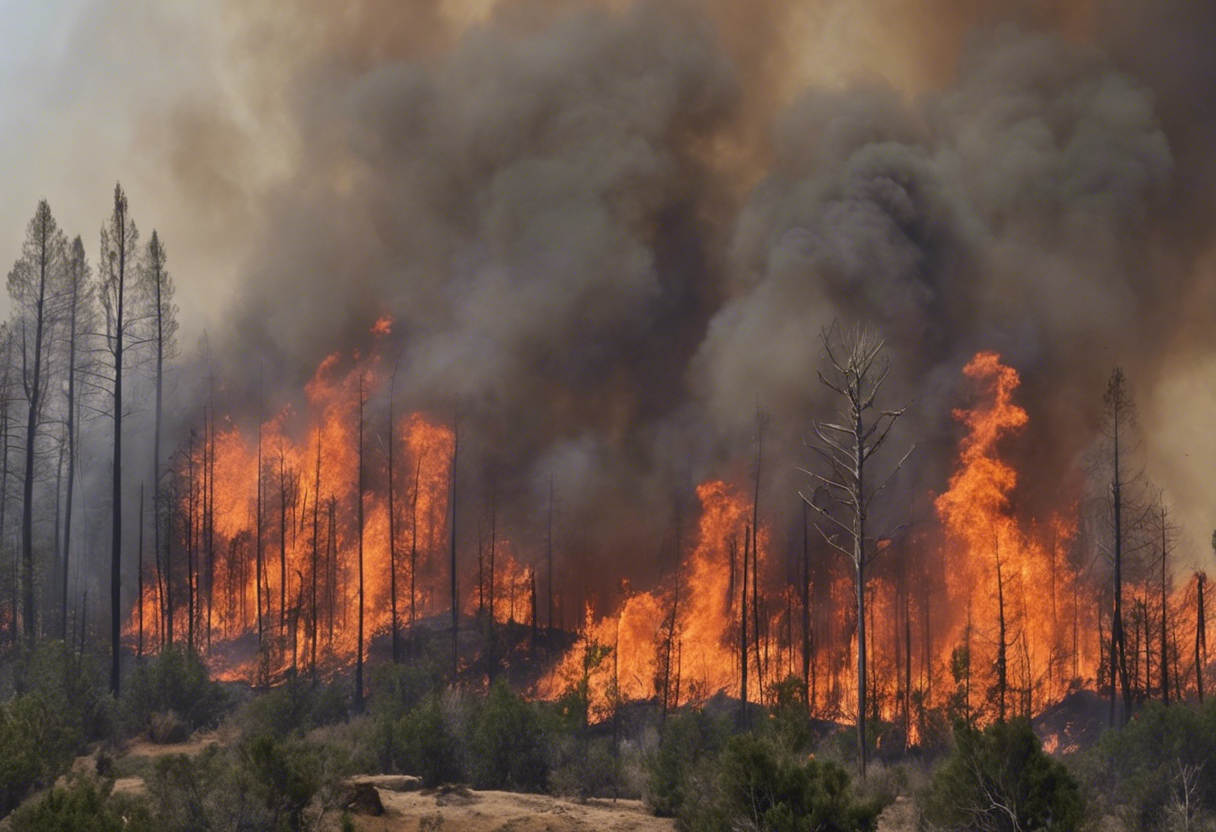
762 784
264 783
58 708
507 744
85 806
1000 779
399 688
176 681
757 783
285 776
429 745
1147 770
296 707
790 716
677 771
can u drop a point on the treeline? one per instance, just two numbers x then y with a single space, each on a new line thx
87 344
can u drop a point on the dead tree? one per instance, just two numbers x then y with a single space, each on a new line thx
1167 532
392 520
359 496
857 367
316 539
414 547
78 299
1119 418
1201 638
119 241
452 530
33 285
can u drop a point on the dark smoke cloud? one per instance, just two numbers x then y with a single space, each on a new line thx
544 205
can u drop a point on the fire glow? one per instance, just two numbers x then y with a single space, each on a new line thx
1005 621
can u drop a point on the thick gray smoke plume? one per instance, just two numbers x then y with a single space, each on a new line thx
592 251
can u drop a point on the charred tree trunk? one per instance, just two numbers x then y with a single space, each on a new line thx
1165 608
452 571
282 541
119 241
1201 640
359 656
549 559
414 549
805 587
1002 663
316 542
743 645
261 574
139 649
392 523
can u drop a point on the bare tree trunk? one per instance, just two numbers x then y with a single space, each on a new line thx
414 548
190 541
359 657
392 522
743 645
1002 663
139 649
316 518
1165 608
258 539
1201 640
455 604
549 557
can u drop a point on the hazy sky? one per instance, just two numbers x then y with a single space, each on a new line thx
185 103
85 89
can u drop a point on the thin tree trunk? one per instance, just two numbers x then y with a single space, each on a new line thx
1201 639
392 522
316 518
139 649
359 657
455 605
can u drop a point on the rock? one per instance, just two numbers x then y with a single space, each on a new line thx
389 782
361 799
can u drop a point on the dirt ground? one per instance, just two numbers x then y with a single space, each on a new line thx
469 811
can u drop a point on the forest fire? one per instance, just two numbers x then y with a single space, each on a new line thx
989 613
267 530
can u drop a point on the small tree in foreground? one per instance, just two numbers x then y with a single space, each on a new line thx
1000 780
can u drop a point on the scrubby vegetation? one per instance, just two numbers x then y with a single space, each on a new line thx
1000 779
284 752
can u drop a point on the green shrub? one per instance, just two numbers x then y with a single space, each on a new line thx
429 745
764 786
85 806
1000 779
285 776
57 710
675 771
506 744
264 783
296 707
175 681
1147 770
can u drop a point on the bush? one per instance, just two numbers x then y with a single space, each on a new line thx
428 743
285 776
175 681
1146 771
58 708
676 771
296 707
85 806
762 785
507 744
1000 779
265 783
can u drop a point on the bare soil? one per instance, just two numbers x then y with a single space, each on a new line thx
463 810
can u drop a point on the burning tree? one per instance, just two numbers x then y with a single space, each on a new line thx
857 369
